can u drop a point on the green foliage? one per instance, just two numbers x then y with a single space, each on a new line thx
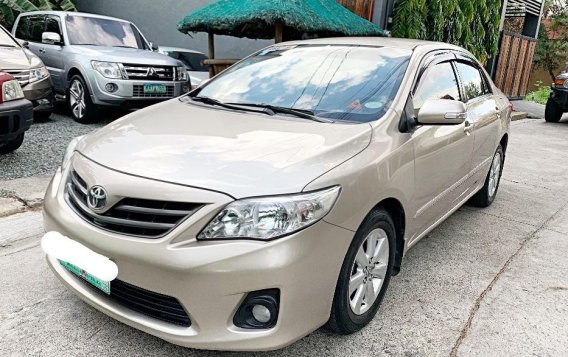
552 46
472 24
9 9
540 95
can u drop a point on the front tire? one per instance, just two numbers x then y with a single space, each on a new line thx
365 274
12 145
82 108
552 112
486 196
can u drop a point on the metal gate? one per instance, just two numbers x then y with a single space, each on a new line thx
514 64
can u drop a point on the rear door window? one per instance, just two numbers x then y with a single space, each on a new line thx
474 85
30 28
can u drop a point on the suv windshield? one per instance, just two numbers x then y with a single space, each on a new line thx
83 30
350 83
193 61
6 40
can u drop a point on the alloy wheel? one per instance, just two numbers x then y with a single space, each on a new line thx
494 174
368 271
77 99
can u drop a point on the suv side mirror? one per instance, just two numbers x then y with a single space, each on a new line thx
442 112
51 38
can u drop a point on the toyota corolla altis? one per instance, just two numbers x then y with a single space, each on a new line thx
279 197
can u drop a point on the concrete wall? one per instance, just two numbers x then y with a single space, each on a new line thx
158 19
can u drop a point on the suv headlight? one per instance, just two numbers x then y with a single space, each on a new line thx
11 90
267 218
39 73
69 151
108 69
181 73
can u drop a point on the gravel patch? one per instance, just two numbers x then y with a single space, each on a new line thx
45 144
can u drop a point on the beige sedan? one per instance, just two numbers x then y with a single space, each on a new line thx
279 197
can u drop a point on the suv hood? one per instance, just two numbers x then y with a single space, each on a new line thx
240 154
126 55
17 58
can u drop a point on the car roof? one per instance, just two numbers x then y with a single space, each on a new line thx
403 43
62 13
178 49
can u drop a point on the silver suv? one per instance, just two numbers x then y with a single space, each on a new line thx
97 61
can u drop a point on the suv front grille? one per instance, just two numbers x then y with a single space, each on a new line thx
138 91
23 76
149 303
131 216
151 73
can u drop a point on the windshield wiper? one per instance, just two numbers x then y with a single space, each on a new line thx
86 44
126 47
216 102
300 113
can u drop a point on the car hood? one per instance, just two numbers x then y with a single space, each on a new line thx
126 55
240 154
17 58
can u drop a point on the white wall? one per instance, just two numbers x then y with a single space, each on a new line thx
158 19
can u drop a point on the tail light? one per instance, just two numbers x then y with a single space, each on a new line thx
510 108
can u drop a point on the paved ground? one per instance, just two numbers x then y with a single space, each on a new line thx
534 110
486 282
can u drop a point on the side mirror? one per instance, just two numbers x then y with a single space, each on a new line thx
442 112
51 38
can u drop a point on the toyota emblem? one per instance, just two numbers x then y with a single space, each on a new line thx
97 198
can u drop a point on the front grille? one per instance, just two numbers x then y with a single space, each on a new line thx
152 73
23 76
130 216
138 91
152 304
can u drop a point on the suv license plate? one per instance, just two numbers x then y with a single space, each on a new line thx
93 280
155 88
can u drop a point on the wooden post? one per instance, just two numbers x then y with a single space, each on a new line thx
279 33
211 41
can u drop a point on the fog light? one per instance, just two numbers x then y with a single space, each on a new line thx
261 313
259 310
111 87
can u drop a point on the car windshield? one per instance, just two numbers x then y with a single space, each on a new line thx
83 30
348 83
192 60
6 40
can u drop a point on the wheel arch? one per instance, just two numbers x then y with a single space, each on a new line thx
396 210
504 142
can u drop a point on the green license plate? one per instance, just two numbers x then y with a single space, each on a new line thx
155 88
96 282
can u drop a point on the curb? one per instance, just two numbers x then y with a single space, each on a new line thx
519 116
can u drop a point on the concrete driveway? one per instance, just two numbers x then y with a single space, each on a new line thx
490 282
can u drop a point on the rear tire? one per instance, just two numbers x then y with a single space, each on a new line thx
552 112
487 194
360 274
12 145
83 110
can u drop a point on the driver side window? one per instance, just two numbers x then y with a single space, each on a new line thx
439 82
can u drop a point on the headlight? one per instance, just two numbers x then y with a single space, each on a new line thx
38 73
270 217
69 151
181 73
108 69
11 90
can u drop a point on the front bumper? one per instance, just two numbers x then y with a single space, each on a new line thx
128 93
15 118
41 95
210 279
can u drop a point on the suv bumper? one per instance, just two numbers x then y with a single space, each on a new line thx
129 93
40 93
15 118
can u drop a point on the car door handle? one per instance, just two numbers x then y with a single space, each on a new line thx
468 126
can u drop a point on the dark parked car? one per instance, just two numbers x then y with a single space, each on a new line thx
557 103
16 114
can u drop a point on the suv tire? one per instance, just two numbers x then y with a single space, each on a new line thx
485 196
83 110
552 112
12 145
344 318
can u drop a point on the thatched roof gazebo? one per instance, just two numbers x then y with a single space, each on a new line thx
278 19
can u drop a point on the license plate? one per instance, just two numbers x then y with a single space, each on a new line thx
93 280
155 88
